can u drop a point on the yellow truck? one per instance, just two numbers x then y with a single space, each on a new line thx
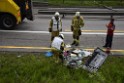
12 12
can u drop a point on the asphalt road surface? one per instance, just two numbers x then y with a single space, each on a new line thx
41 23
33 36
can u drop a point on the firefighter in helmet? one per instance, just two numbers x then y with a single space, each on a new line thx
55 25
77 24
58 46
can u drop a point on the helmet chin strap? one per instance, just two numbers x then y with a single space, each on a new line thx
60 36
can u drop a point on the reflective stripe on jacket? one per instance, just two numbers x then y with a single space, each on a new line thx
56 24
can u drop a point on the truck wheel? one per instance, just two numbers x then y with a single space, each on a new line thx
7 22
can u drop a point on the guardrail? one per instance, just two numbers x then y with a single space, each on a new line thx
104 10
71 11
40 4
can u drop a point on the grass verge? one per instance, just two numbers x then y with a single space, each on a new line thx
36 68
90 3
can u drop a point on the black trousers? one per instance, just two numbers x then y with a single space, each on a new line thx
109 39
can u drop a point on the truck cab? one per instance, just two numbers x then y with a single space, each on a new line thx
25 8
12 12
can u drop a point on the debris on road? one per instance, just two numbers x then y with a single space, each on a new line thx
74 59
97 59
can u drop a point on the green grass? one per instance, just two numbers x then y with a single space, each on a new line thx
72 3
85 3
36 68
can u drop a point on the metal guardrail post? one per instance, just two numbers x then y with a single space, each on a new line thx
63 15
111 16
109 8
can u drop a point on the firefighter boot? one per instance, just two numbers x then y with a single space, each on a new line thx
77 43
74 42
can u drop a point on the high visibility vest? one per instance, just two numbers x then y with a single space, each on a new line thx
56 24
57 42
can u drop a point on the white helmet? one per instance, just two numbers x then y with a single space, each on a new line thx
56 13
61 35
77 14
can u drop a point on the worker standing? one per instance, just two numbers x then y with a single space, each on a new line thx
77 24
58 47
55 25
110 32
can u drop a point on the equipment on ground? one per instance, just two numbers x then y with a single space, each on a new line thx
73 58
97 59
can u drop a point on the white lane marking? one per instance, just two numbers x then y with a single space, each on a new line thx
46 32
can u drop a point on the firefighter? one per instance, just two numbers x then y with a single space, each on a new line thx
58 47
110 32
55 25
77 24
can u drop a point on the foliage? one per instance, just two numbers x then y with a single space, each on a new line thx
36 68
94 3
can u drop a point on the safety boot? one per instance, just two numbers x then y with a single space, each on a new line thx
73 43
77 44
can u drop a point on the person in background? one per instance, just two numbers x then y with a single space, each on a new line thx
110 32
55 25
77 24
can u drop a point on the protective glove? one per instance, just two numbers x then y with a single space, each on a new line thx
50 29
72 28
